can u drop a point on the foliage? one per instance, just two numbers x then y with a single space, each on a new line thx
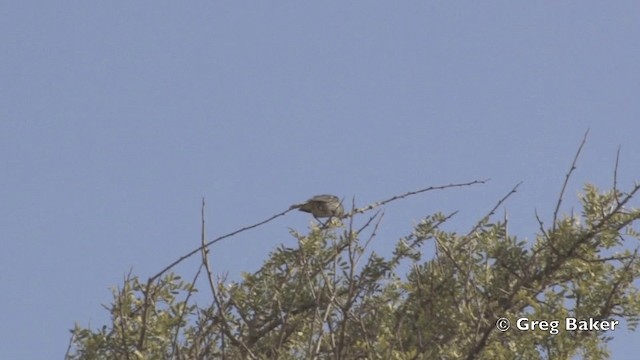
331 297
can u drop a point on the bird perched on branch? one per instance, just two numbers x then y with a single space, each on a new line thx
322 206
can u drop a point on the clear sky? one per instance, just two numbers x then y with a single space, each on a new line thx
116 118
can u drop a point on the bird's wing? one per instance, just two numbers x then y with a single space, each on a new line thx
325 198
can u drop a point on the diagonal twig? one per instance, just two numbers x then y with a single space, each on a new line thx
566 180
493 210
191 253
410 193
615 175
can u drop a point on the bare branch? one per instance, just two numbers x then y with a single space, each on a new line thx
410 193
371 218
566 180
191 253
374 232
615 174
493 210
205 252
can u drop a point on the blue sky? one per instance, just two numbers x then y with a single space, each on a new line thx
116 118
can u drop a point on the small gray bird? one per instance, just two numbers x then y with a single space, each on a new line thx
322 206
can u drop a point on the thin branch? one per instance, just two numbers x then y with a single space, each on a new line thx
205 251
145 311
369 221
123 324
191 253
608 306
225 329
615 174
505 219
72 340
183 313
410 193
396 258
374 232
566 180
493 210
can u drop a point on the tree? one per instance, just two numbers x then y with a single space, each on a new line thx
332 298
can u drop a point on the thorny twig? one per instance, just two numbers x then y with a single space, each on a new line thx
410 193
